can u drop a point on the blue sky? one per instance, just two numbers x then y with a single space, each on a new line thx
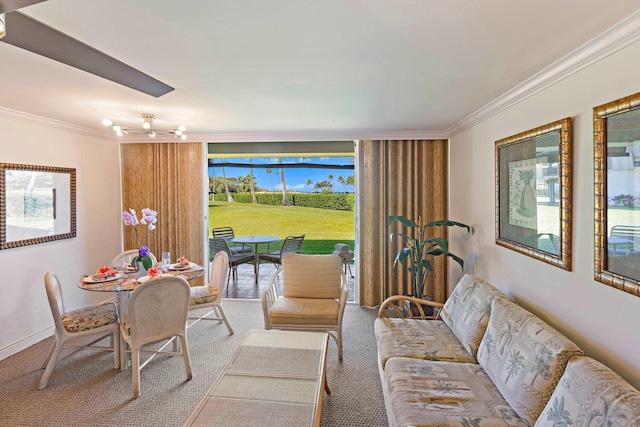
296 179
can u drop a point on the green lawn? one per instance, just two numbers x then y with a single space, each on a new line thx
322 228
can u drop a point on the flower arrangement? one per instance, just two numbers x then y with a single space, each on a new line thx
105 272
183 261
149 219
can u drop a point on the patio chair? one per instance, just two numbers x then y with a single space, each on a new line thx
314 294
227 234
218 244
157 312
122 256
291 245
211 296
94 320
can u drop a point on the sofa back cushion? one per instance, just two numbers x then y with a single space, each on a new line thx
590 394
311 276
524 357
466 312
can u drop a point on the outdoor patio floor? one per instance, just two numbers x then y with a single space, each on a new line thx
244 287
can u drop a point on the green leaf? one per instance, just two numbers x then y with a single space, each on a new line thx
457 259
402 220
447 223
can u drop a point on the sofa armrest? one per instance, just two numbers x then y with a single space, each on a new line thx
269 297
400 306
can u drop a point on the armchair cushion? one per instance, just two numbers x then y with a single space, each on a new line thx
304 311
320 279
202 295
89 317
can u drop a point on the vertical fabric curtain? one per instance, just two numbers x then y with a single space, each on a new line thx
168 178
408 178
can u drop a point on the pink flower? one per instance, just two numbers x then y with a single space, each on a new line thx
154 271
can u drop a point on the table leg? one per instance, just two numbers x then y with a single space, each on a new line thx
326 385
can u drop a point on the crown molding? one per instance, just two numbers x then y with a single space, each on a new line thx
32 118
616 38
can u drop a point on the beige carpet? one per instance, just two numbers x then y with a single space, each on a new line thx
85 390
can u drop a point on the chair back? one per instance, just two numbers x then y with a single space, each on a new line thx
54 295
158 308
219 244
311 276
117 260
224 232
219 271
292 245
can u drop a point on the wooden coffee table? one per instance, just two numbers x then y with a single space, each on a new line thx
275 378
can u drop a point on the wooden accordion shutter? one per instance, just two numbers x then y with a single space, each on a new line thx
168 178
407 178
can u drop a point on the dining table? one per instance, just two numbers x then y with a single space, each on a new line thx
125 281
255 241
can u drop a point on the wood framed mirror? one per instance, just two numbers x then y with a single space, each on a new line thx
616 134
37 204
533 193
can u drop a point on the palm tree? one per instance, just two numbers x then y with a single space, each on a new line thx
351 180
252 182
285 199
309 182
560 416
516 362
226 187
268 171
342 181
331 181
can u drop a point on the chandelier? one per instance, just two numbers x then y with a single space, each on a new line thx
147 128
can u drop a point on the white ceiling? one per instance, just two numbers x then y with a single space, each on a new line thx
321 68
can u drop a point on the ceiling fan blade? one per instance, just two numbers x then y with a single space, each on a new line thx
32 35
11 5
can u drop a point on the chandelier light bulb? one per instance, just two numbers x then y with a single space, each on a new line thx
107 122
146 125
116 128
183 137
182 128
178 132
152 134
118 133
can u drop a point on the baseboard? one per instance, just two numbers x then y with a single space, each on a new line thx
25 342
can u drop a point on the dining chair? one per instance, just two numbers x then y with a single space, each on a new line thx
118 259
93 320
157 311
227 234
211 296
218 244
291 245
314 295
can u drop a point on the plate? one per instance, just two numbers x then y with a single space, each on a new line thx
90 279
143 279
180 267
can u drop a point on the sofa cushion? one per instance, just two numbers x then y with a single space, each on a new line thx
304 311
424 392
524 357
419 339
590 394
467 310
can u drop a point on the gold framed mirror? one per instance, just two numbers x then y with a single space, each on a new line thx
533 193
616 135
37 204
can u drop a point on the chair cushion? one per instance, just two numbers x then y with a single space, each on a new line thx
202 295
425 392
304 311
524 357
589 394
467 310
88 318
311 276
419 339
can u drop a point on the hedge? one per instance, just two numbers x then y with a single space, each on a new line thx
332 201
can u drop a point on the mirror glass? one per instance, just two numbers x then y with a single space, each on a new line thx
533 210
38 204
620 226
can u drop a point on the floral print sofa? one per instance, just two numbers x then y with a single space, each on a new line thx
489 362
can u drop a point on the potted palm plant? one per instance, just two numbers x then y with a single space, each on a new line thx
418 249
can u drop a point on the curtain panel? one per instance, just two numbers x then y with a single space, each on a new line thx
168 178
408 178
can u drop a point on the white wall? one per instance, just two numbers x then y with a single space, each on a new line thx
25 316
603 321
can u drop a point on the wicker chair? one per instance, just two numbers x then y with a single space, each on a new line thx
94 320
314 295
